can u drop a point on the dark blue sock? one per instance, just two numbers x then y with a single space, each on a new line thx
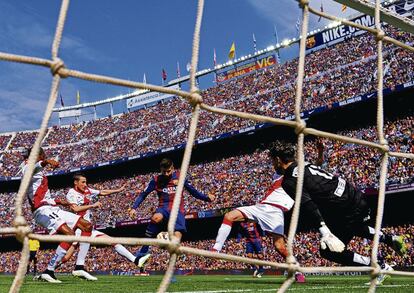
151 232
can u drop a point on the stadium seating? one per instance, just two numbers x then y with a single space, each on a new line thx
267 92
243 179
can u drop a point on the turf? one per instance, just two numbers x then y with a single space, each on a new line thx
210 284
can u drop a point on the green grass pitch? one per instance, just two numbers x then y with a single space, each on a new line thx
209 284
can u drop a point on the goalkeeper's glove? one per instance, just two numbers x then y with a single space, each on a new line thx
330 240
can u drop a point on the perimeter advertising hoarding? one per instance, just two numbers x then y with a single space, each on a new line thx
70 113
150 98
246 68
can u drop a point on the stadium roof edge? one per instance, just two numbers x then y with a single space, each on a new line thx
385 15
230 63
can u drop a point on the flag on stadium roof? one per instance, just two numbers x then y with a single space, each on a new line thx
254 43
178 70
277 41
188 66
320 17
298 26
232 52
61 101
77 97
164 75
214 57
144 80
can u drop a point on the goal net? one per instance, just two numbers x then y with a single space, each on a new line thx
173 246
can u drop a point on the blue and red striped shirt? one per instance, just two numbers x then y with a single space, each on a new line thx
166 187
250 231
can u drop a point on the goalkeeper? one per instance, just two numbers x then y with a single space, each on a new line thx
333 205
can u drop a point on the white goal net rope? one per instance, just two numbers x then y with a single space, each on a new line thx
59 71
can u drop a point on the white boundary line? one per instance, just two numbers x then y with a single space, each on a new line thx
304 288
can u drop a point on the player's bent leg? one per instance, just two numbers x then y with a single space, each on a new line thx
152 230
396 242
280 245
260 269
84 225
49 275
225 228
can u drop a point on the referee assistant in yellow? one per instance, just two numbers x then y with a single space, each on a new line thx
34 246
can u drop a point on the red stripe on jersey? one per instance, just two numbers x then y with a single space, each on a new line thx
40 193
275 185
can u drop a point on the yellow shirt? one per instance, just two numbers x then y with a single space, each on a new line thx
34 245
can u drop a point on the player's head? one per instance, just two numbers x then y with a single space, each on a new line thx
166 167
79 181
281 154
41 157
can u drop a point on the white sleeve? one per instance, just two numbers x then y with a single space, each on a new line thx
94 193
71 197
38 167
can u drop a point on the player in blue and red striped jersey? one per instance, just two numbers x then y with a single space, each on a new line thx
250 231
165 184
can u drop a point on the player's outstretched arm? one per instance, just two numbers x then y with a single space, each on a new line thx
197 194
150 188
77 208
111 191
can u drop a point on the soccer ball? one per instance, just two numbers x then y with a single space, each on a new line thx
163 236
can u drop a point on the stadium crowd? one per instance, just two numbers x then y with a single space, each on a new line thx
306 250
243 179
268 92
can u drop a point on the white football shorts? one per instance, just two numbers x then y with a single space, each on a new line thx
52 218
270 218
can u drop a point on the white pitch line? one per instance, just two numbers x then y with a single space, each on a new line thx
295 289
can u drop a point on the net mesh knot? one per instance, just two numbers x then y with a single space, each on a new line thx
195 98
385 147
57 66
380 35
293 265
174 245
303 3
22 229
300 126
376 271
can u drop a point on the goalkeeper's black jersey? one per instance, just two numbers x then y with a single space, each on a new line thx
332 195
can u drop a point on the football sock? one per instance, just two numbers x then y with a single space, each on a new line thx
83 251
151 232
124 252
59 254
222 235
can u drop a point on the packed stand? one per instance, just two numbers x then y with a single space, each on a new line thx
243 179
351 71
4 140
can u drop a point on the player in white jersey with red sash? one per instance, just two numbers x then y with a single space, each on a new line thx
47 214
81 197
268 213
